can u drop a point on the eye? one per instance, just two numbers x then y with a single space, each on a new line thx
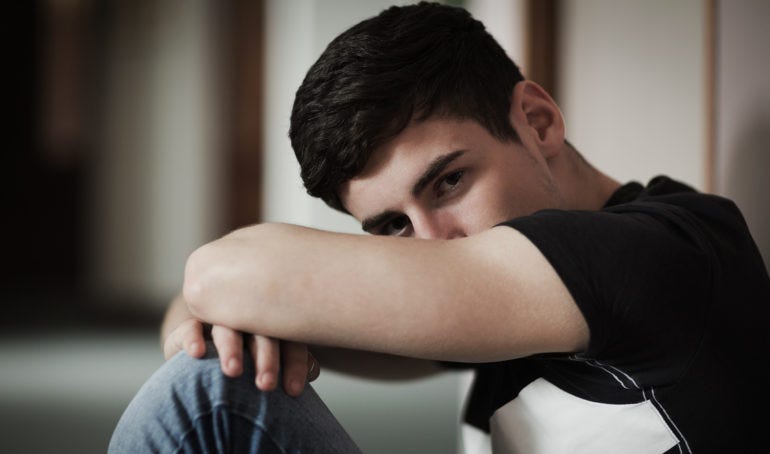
449 182
396 226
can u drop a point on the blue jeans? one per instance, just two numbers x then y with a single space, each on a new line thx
189 406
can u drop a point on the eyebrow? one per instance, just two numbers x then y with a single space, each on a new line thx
373 221
433 170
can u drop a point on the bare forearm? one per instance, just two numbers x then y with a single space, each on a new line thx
489 297
320 288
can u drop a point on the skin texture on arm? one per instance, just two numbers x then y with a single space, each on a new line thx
425 299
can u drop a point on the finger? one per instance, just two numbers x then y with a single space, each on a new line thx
314 367
229 344
268 362
192 338
188 336
294 357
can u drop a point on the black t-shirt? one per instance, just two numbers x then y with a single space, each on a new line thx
677 300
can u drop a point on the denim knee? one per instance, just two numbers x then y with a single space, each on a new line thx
170 404
189 405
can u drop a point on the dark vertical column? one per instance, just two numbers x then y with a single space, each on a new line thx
541 57
243 76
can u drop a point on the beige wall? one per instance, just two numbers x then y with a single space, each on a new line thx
743 112
634 93
632 86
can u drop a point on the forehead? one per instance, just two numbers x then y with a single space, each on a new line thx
420 140
395 166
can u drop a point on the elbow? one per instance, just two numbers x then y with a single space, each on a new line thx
226 279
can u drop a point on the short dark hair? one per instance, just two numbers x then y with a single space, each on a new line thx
408 63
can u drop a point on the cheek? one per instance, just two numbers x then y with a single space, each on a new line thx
486 206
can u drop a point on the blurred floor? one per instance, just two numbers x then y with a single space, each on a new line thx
63 392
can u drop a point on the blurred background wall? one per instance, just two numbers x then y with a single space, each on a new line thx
143 129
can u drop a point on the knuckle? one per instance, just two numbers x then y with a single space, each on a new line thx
194 279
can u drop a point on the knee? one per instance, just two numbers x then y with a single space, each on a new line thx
190 402
169 403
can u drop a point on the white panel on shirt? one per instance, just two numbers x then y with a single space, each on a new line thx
546 419
475 440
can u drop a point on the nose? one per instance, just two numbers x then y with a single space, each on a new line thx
437 227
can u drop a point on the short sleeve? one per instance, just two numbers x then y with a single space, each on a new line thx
640 275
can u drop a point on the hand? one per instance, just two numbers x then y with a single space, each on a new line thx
299 365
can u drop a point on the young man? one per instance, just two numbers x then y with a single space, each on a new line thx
599 317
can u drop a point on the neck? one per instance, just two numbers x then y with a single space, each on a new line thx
582 186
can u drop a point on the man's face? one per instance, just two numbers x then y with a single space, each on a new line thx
445 178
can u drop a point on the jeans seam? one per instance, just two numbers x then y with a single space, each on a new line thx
241 415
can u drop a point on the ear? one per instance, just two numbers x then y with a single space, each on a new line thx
537 119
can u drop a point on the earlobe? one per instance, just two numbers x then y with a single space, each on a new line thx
535 114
